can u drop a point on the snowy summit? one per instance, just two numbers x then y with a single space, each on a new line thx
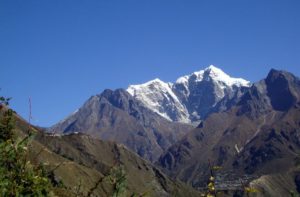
183 100
216 74
160 98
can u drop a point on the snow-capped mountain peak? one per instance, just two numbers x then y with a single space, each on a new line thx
159 97
216 74
191 97
149 87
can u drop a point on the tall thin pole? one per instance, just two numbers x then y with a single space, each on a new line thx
30 115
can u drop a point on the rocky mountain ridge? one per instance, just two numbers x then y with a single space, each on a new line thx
149 118
117 116
251 132
257 137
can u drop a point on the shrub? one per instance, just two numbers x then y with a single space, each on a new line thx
18 177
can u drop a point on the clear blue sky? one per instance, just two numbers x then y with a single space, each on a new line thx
60 52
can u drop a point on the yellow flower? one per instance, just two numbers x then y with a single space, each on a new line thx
251 190
216 168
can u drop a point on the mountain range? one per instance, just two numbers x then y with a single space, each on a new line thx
256 137
250 130
150 117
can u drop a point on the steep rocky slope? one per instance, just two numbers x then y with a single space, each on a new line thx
80 165
259 136
117 116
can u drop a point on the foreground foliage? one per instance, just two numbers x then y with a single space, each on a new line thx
18 177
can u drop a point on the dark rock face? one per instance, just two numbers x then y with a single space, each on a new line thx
280 85
258 157
279 91
257 133
254 102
